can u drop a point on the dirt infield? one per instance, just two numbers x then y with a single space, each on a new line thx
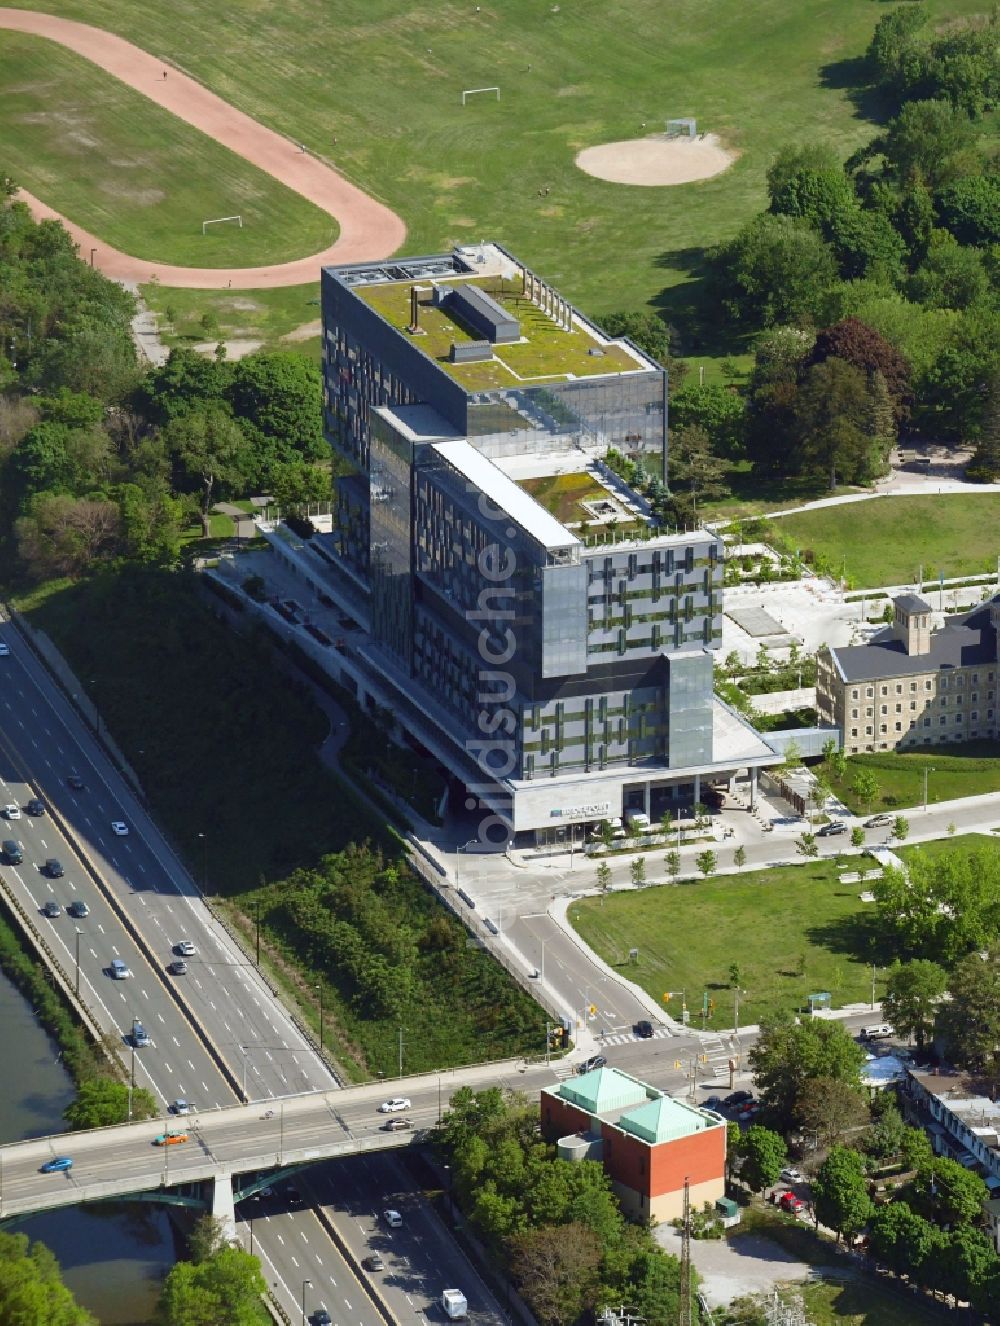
657 160
368 230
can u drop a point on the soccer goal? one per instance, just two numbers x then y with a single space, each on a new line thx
218 221
475 91
682 129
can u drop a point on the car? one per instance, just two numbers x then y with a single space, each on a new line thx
789 1202
52 909
879 822
78 908
792 1175
35 807
13 852
595 1061
396 1125
875 1031
713 1103
748 1111
293 1195
321 1317
170 1139
53 868
829 830
373 1262
737 1098
140 1036
178 967
119 969
185 948
4 650
12 812
75 782
392 1218
182 1107
644 1030
394 1105
119 828
57 1165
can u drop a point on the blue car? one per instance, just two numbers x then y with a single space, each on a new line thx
57 1165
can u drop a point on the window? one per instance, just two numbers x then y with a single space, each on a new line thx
913 685
869 691
943 719
885 690
854 731
885 708
883 728
944 683
868 731
899 708
854 713
913 707
854 693
899 727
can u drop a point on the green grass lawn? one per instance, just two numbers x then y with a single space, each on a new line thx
958 771
865 1302
375 88
886 541
794 930
282 319
135 175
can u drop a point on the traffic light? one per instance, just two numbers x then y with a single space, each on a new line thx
667 996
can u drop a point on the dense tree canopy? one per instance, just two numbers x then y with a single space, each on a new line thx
787 1057
31 1289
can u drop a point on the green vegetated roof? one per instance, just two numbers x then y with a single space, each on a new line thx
603 1090
547 351
663 1120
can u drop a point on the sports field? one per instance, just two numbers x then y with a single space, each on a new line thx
134 174
375 87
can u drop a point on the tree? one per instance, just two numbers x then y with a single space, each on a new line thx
830 1107
833 414
900 1237
854 342
820 793
227 1286
787 1056
984 466
900 828
101 1101
672 861
950 277
970 209
638 871
931 140
40 462
212 449
294 484
713 408
969 1022
857 836
647 330
31 1289
912 994
557 1270
61 535
777 269
948 1193
887 1135
865 786
280 396
740 857
972 1266
707 862
694 470
764 1155
603 876
840 1192
916 1149
806 845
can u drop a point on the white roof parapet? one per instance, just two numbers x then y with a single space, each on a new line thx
504 493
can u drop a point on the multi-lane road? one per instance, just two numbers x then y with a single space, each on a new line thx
221 1001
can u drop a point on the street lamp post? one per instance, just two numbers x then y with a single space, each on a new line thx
306 1284
131 1082
541 968
319 987
873 987
204 864
257 929
244 1050
97 712
927 770
78 934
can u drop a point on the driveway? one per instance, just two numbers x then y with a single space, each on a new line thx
729 1268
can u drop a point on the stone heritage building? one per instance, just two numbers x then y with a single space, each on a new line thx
914 686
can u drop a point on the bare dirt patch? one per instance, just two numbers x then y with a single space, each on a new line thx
657 160
234 349
305 331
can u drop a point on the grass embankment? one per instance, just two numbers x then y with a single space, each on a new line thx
225 744
135 175
887 540
380 97
966 770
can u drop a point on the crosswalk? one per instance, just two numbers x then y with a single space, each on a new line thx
629 1037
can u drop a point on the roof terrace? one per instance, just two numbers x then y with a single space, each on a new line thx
545 351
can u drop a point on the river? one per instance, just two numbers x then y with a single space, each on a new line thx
113 1258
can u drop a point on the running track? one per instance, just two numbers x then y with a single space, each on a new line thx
368 230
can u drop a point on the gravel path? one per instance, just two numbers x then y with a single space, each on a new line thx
368 230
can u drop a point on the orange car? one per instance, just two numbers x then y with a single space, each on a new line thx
170 1139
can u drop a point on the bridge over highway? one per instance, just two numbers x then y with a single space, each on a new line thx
231 1143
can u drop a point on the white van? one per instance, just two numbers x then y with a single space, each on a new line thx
874 1032
455 1304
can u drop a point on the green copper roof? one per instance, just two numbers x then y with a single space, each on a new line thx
603 1090
663 1120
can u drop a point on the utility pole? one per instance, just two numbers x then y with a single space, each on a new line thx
927 770
684 1305
548 1041
736 1011
401 1043
873 987
319 987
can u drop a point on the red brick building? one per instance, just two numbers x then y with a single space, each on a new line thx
648 1142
